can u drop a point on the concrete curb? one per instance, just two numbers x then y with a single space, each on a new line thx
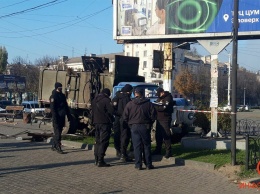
170 161
252 180
78 145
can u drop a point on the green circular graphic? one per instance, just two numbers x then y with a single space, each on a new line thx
182 20
192 4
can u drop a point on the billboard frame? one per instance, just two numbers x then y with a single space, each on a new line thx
188 37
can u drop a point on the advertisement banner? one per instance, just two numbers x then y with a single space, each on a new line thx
157 20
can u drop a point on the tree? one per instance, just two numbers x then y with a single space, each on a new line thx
22 68
46 60
3 59
186 84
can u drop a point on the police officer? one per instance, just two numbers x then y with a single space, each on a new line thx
119 103
59 109
164 109
102 112
140 115
116 126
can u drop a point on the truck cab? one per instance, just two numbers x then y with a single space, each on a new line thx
149 88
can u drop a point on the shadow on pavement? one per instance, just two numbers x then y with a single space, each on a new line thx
41 167
116 191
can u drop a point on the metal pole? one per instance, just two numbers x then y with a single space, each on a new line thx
234 85
244 96
247 152
229 77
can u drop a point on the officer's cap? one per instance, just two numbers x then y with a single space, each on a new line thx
106 91
158 91
57 85
127 88
139 90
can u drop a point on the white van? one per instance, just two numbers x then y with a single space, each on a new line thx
32 107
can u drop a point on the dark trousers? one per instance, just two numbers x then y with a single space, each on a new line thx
102 136
141 138
163 133
125 137
117 133
58 125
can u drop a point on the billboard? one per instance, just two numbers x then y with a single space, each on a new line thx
12 83
189 20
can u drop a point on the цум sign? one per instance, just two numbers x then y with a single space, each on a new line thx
184 19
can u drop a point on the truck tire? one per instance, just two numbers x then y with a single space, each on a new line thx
72 126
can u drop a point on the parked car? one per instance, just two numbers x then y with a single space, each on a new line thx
4 103
32 107
242 108
225 108
2 110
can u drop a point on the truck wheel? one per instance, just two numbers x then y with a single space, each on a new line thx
72 126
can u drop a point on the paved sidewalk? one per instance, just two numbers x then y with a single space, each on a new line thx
31 167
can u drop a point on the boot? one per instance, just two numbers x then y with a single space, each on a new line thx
157 151
96 160
125 158
59 150
168 154
118 153
101 163
53 148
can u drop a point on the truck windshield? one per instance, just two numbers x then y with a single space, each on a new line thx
149 91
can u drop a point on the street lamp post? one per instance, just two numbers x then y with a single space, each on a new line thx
244 96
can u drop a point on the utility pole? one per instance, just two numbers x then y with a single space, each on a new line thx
234 85
167 69
229 78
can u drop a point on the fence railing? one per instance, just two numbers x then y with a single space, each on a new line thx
250 130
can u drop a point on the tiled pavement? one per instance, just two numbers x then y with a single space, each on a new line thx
31 167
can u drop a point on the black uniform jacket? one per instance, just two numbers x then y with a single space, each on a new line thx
102 109
120 101
59 106
139 111
165 109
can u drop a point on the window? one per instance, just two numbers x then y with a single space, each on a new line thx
127 54
144 64
153 75
145 53
137 53
144 74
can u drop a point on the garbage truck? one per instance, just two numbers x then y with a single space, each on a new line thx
80 87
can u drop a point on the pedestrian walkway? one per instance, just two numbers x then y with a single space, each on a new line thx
32 167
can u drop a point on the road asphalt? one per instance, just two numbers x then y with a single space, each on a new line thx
32 167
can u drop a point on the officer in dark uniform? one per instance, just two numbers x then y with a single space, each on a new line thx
59 109
140 115
164 109
116 127
102 112
119 102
